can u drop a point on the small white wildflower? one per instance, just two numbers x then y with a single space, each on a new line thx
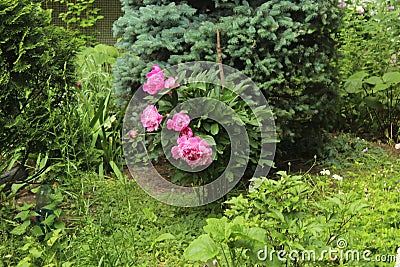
337 177
325 172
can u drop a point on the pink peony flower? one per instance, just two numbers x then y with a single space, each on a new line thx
397 146
154 70
178 122
342 5
193 150
150 118
187 132
390 8
155 80
132 134
170 83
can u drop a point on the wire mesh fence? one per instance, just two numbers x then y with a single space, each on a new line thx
102 30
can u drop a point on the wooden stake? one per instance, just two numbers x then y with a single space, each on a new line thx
219 54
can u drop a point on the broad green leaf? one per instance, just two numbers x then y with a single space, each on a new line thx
59 225
257 234
373 102
35 252
381 87
21 229
391 77
49 220
353 86
354 82
36 230
218 229
201 249
336 201
23 215
374 80
358 76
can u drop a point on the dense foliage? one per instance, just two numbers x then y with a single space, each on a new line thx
283 46
36 66
368 44
220 116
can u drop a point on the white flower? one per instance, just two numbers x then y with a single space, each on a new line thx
337 177
325 172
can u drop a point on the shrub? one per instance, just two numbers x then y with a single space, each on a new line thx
200 110
283 46
36 67
367 42
284 215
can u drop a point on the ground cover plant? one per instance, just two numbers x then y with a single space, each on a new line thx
78 205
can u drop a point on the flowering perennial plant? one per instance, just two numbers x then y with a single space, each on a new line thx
193 150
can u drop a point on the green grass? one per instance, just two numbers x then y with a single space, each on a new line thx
109 222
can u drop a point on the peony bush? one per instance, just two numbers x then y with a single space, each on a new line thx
196 128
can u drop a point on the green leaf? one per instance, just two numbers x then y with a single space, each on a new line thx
276 214
57 212
25 262
162 237
391 77
116 170
21 229
165 236
36 230
218 229
257 234
16 187
23 215
209 139
373 102
201 249
49 220
59 225
354 82
55 235
35 252
374 80
381 87
214 128
358 76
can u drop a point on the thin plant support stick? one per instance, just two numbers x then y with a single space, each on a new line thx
219 54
